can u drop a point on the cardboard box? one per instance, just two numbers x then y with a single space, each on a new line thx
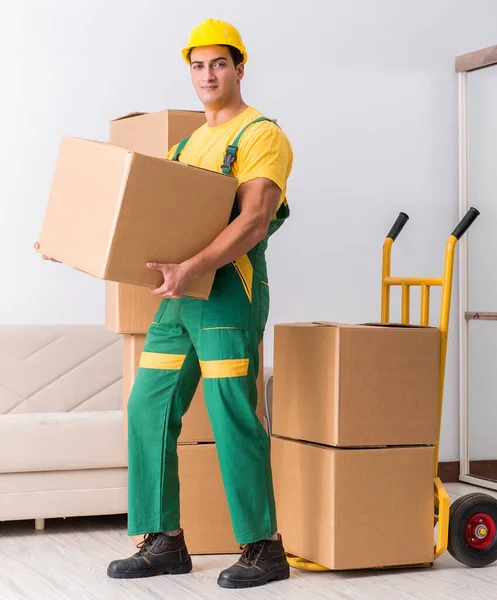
129 308
204 509
356 385
196 424
112 210
154 134
354 509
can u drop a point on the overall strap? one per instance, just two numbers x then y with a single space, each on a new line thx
180 148
231 150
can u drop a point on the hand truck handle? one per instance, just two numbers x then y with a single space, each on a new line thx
398 226
465 223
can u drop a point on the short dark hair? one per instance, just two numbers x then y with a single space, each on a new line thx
236 55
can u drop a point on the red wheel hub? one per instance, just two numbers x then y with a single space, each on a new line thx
480 531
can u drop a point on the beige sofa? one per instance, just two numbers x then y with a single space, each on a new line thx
62 448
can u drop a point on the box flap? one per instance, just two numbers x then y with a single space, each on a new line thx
129 116
195 112
398 325
353 325
141 114
99 142
314 324
334 324
370 324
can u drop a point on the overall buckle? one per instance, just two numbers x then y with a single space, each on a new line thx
229 157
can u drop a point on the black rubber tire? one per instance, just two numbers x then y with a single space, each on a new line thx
460 512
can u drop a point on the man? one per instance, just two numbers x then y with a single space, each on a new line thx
218 338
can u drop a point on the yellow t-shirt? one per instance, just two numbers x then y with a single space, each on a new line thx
263 151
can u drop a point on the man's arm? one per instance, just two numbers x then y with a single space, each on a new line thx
258 201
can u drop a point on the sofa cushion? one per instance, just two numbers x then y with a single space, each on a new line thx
62 441
63 494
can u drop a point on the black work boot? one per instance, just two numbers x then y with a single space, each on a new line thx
260 563
158 554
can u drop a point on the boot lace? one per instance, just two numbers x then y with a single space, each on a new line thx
145 544
250 552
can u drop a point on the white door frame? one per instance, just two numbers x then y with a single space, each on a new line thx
464 64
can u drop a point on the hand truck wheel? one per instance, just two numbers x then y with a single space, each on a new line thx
473 530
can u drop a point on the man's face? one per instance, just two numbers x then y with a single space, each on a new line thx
214 76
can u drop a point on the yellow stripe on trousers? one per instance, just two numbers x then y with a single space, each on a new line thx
217 369
157 360
245 270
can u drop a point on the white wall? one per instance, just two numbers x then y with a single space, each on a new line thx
365 89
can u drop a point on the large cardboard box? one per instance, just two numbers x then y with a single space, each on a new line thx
111 211
356 385
196 424
354 508
129 308
204 509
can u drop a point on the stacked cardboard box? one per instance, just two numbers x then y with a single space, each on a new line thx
130 308
355 419
129 311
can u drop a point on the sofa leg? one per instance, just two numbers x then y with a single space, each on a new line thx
39 524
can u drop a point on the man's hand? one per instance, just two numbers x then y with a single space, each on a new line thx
36 246
176 279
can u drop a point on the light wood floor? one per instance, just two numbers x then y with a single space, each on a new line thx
68 561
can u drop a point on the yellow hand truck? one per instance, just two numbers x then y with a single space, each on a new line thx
468 527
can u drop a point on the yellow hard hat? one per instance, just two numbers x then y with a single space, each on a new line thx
213 32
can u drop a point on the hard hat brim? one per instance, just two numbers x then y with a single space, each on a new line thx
186 50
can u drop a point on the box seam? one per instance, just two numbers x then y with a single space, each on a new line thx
130 156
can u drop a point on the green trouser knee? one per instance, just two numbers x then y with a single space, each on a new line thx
219 339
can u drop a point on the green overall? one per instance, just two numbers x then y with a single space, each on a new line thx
218 338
